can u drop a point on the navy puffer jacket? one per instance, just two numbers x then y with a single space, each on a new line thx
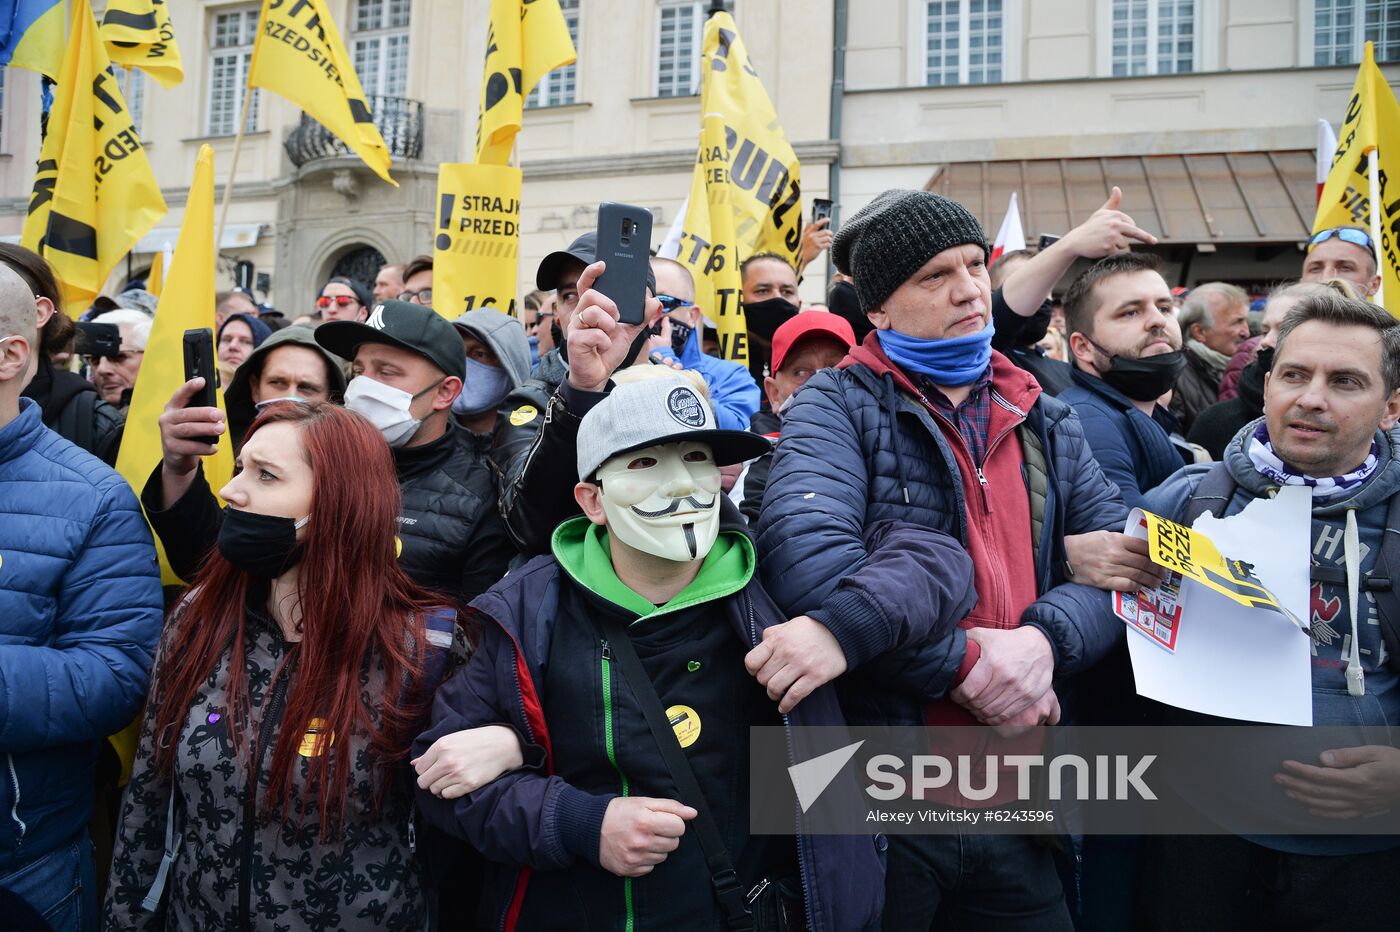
80 612
856 450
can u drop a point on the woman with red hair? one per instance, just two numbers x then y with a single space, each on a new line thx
271 786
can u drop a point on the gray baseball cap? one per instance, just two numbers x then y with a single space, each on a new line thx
656 411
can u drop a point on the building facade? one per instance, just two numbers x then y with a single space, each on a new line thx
1203 111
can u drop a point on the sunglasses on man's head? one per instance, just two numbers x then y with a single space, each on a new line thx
1346 235
341 300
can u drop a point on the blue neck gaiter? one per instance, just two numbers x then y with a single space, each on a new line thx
953 362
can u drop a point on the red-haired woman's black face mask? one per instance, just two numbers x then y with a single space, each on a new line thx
260 545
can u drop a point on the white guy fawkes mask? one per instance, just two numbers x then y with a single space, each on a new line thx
663 500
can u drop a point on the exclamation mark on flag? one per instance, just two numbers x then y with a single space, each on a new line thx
444 242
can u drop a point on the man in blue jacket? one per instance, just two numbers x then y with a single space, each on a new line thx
732 390
80 612
1331 403
1127 354
925 423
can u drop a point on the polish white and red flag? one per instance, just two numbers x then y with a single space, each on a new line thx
1326 148
1011 236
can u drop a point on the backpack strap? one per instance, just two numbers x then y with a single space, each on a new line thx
1384 582
75 420
1213 494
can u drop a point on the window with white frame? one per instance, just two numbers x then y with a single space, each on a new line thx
380 48
559 86
133 85
963 42
680 28
1153 37
1341 29
230 50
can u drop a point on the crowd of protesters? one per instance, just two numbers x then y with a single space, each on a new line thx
475 635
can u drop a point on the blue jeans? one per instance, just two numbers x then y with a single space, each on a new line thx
986 883
57 891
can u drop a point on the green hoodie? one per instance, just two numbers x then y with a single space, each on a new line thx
582 549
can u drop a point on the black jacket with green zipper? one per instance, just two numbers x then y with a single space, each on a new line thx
542 666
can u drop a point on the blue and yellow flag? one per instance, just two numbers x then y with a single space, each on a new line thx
31 35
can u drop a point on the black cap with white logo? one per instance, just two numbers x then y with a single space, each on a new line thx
408 326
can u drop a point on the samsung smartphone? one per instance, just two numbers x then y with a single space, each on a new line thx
821 209
624 243
199 364
98 339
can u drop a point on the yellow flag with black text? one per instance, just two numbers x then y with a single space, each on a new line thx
139 34
745 195
186 303
476 250
94 193
298 55
527 40
1371 129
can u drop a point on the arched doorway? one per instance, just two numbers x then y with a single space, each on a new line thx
361 263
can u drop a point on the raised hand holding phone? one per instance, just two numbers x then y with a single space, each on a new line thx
598 341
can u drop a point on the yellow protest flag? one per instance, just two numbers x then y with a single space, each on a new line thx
31 36
139 34
1370 134
745 195
94 193
155 278
298 55
476 250
186 303
527 39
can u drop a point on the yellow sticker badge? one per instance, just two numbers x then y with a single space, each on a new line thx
523 415
685 722
311 741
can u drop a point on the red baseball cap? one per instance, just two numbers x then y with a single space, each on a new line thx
805 324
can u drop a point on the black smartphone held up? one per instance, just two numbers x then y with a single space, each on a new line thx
199 364
821 209
1047 240
624 243
98 339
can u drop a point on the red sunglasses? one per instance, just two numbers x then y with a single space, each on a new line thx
341 300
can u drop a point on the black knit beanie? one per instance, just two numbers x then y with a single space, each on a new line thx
891 238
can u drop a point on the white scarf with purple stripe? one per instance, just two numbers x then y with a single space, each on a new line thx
1262 455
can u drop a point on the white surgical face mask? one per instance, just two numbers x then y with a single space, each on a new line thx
663 500
383 406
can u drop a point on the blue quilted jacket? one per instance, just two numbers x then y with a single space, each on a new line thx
80 612
856 449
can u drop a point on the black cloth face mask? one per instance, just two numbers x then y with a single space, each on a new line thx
765 317
260 545
680 333
1145 379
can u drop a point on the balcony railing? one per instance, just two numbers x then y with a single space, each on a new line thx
399 119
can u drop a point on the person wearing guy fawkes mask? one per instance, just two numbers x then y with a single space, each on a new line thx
1127 355
649 567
